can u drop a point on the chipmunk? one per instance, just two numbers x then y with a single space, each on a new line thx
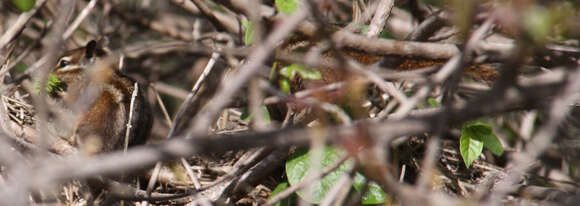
99 96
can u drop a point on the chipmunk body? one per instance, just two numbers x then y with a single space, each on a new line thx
100 96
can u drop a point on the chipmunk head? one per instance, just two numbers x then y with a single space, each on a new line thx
76 60
72 66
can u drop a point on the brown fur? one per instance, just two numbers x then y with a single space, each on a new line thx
100 97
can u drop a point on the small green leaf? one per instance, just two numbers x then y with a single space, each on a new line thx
364 29
286 6
266 114
538 22
53 85
305 72
289 201
273 71
298 166
249 29
284 85
246 116
24 5
480 129
21 67
288 72
433 102
490 141
385 35
470 145
373 195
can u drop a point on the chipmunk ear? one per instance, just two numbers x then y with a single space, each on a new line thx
95 48
91 49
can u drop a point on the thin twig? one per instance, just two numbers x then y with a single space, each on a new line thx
328 107
403 171
52 51
527 124
339 189
51 171
245 72
429 161
153 180
170 90
214 18
84 13
395 47
130 119
381 15
387 87
189 171
20 57
163 108
206 71
11 33
180 115
191 96
431 25
560 107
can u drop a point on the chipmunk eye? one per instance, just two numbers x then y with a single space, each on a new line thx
63 63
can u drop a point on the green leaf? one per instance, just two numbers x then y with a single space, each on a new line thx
429 103
433 102
305 72
266 114
246 116
289 201
20 67
298 167
490 140
286 6
492 143
273 71
288 72
475 136
373 195
470 145
385 35
24 5
364 29
538 23
284 85
249 29
53 85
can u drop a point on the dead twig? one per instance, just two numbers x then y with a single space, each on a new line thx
75 24
11 33
381 15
